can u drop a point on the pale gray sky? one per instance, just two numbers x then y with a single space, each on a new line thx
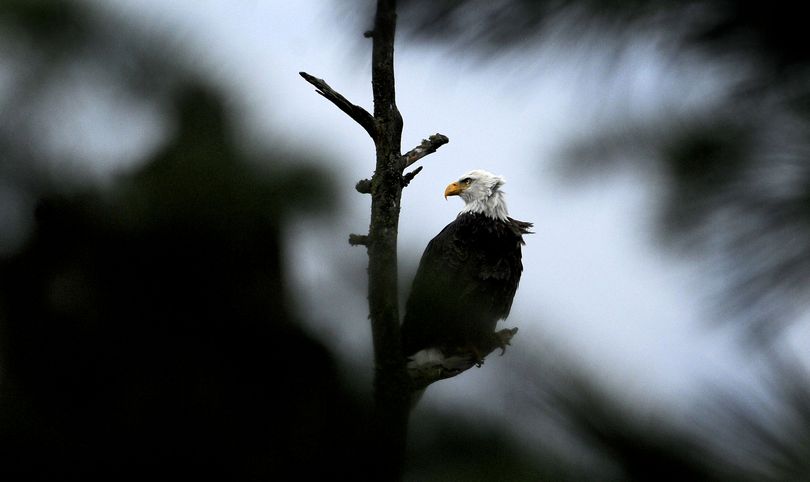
594 284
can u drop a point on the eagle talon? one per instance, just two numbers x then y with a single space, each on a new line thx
475 353
504 342
503 339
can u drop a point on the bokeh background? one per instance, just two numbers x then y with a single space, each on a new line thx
177 294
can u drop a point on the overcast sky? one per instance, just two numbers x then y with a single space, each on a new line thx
595 285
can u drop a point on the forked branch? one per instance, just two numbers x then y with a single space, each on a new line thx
359 114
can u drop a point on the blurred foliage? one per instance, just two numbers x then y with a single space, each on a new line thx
773 33
767 439
494 26
447 446
733 180
727 435
734 174
146 326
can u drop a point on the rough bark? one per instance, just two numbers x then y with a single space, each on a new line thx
393 385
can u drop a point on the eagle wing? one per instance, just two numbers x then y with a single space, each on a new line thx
465 283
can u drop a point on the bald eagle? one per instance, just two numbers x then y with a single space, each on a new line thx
467 277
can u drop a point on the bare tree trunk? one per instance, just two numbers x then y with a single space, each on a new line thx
393 386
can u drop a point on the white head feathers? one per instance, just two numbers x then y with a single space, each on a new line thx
481 191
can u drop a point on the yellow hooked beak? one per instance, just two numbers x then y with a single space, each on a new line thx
454 189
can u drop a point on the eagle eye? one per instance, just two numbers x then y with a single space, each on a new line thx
466 180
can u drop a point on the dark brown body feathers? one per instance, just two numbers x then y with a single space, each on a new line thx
465 283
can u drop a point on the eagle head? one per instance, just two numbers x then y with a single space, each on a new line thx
475 185
481 193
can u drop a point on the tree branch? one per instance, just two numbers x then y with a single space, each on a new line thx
360 115
428 146
454 363
358 239
363 186
407 178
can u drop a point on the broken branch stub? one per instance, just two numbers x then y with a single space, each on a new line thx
359 114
